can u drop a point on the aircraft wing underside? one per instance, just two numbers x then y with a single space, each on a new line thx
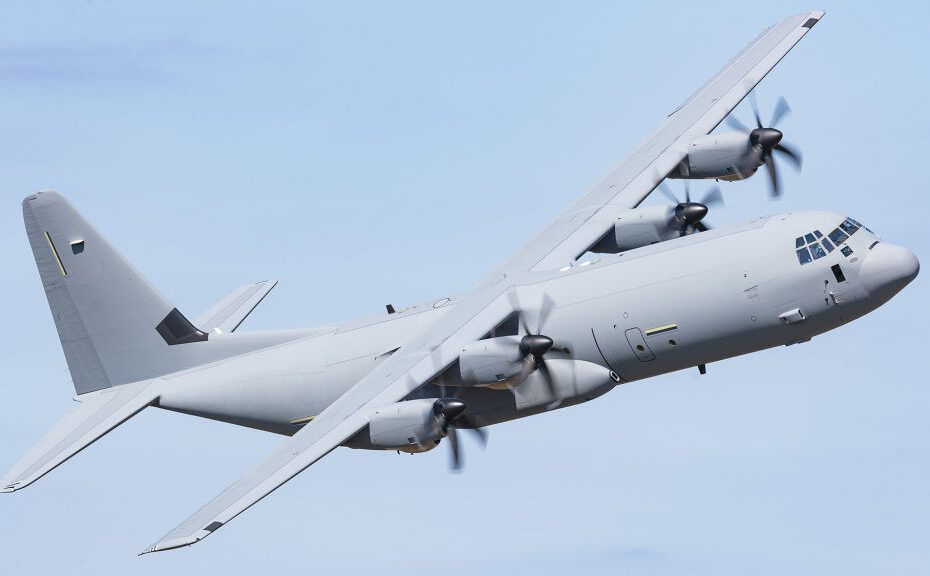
487 305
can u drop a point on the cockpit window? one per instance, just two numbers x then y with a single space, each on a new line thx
849 226
817 251
838 236
860 225
813 246
808 247
804 256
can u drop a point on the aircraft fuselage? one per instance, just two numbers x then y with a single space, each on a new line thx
665 307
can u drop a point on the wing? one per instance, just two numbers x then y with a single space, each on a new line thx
487 305
228 313
633 178
391 381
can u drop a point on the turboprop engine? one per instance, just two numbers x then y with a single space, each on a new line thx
517 363
417 426
738 154
721 156
644 226
411 426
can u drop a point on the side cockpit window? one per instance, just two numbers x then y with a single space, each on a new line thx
804 256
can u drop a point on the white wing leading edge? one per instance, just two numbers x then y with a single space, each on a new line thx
485 306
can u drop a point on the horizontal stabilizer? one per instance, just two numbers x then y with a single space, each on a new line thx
99 412
227 314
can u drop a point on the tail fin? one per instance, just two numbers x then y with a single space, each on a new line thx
114 326
118 333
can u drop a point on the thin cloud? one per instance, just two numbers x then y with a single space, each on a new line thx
74 64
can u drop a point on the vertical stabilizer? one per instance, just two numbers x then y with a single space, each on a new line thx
114 326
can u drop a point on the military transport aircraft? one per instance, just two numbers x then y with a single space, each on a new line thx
594 300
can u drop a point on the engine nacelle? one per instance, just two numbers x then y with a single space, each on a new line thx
573 381
639 227
723 156
490 360
409 426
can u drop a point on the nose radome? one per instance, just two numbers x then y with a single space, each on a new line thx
887 269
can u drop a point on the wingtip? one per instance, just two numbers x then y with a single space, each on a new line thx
169 545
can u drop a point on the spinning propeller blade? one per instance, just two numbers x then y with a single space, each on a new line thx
768 140
534 344
450 414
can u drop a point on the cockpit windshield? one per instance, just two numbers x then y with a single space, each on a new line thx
813 245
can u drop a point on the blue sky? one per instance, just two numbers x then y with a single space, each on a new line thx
368 153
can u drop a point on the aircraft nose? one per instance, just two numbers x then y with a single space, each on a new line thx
887 269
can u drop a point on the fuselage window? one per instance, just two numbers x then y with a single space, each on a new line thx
799 241
804 256
827 245
838 236
817 251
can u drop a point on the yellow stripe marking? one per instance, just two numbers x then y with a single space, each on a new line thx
303 420
661 329
55 252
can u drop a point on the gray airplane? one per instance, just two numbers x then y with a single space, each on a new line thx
607 293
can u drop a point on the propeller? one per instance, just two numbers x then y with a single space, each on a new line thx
768 140
689 214
534 345
450 414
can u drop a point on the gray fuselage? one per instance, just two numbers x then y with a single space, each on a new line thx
672 305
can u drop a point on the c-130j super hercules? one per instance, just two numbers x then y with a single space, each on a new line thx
593 300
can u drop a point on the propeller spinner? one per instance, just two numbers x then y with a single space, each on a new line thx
688 214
